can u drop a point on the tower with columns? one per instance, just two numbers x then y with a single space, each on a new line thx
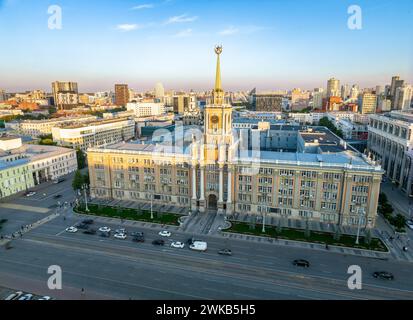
211 163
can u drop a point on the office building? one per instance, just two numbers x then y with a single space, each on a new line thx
121 95
65 94
333 88
367 103
318 178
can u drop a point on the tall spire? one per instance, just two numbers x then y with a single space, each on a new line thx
218 93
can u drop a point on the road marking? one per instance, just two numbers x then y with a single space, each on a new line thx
21 207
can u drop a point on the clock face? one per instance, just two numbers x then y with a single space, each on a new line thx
214 119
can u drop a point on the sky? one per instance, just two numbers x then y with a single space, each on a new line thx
268 44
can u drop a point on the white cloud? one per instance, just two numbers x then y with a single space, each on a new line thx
143 6
183 33
231 30
228 31
181 19
127 27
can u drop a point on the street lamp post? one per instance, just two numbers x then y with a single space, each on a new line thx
84 190
360 210
152 205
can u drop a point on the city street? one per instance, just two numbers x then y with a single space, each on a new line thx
107 268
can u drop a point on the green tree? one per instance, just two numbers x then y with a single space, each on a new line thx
81 159
399 221
77 181
86 178
337 234
382 198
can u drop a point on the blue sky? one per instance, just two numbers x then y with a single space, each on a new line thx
272 44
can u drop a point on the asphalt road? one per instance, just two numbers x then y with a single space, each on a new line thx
108 268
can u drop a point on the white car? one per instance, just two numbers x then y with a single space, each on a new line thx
104 229
409 223
120 236
27 296
71 230
120 231
164 233
177 244
45 298
32 193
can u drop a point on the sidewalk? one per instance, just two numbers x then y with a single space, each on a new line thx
307 245
18 234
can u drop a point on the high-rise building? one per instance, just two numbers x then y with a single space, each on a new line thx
379 90
159 91
354 92
403 97
181 103
367 103
65 94
333 88
318 95
395 83
3 96
121 95
345 91
270 102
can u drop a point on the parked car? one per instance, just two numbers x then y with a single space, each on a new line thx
105 234
177 244
383 275
301 263
27 296
57 196
14 296
87 221
71 229
409 224
164 233
89 231
158 242
30 194
138 238
120 236
136 234
82 226
225 252
104 229
121 231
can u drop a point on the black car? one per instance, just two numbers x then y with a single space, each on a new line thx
137 234
89 231
225 252
383 275
158 242
105 234
301 263
82 226
138 239
57 196
87 221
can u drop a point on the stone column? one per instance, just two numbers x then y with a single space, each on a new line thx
221 184
194 182
202 196
229 194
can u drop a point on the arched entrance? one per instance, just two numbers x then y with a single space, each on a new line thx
212 202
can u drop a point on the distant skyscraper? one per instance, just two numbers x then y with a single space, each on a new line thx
318 96
403 97
345 91
354 92
2 95
395 83
367 103
379 90
333 88
159 91
65 94
121 95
